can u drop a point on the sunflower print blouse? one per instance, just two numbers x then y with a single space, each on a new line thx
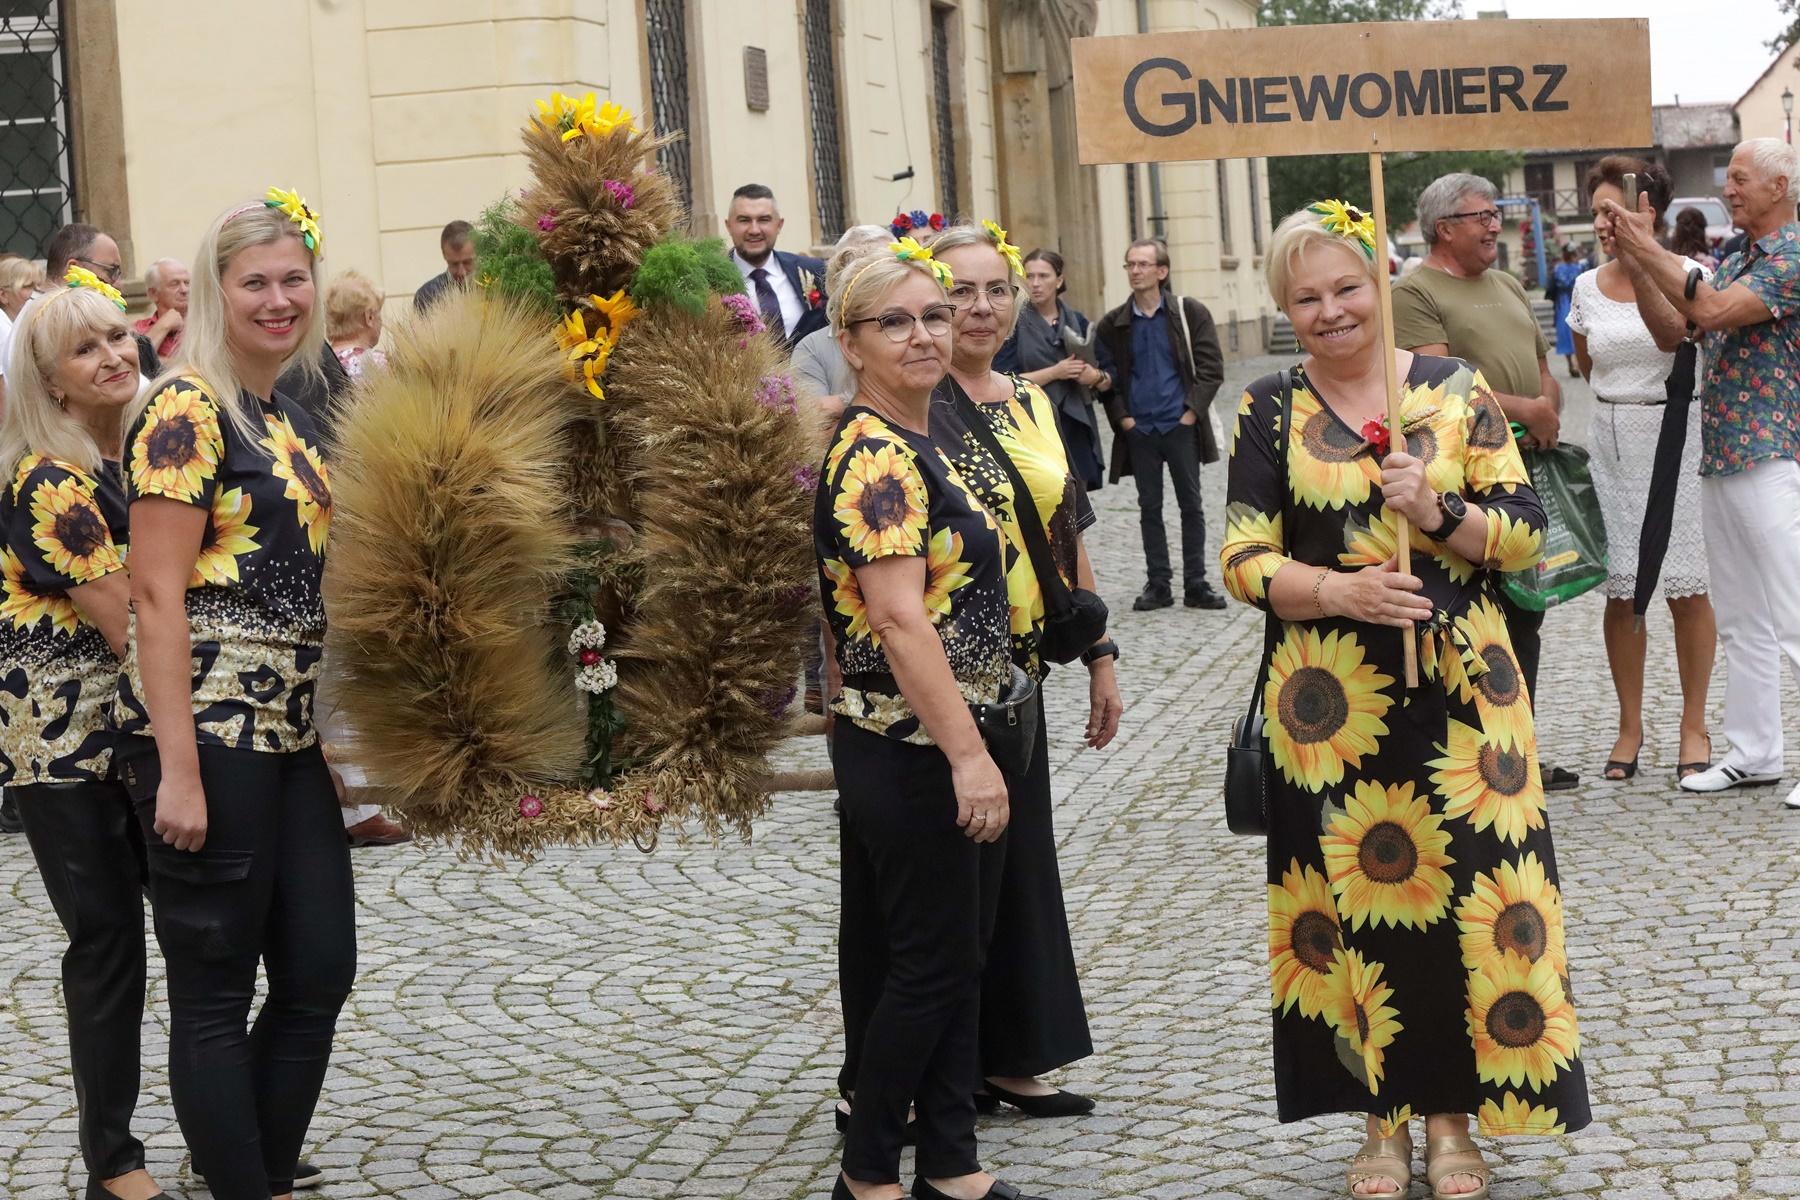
1416 944
1025 426
886 491
254 606
61 528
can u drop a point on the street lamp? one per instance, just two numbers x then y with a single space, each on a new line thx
1787 107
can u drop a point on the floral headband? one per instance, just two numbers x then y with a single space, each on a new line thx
296 209
1348 222
905 250
1007 250
904 223
80 277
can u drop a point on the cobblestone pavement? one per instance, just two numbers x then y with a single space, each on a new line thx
605 1023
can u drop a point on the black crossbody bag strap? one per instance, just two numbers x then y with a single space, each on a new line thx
1031 526
1272 625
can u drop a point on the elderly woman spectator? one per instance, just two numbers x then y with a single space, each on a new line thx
1749 313
353 322
1039 352
1628 363
912 572
1415 927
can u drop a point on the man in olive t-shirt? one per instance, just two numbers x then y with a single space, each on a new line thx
1456 304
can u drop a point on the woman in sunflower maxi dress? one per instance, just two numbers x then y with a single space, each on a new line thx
1415 925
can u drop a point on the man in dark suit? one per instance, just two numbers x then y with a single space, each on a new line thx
1163 367
789 289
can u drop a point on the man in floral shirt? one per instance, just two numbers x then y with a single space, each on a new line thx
1750 441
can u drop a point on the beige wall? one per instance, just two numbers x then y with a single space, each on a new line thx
1759 113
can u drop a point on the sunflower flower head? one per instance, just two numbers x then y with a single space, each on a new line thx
302 215
1348 222
566 115
1007 250
908 250
81 277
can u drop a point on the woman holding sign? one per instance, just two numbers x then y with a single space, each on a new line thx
1415 934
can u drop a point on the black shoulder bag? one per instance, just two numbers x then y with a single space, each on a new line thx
1247 762
1074 618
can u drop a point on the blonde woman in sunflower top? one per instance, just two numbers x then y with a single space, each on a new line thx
230 506
1415 927
62 625
912 573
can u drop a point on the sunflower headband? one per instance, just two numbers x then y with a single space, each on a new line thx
1007 250
1348 222
905 250
80 277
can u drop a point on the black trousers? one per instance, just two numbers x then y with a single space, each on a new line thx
91 858
1526 629
921 895
1176 449
271 885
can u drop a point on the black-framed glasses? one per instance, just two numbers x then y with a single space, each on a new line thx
999 295
898 326
111 271
1487 216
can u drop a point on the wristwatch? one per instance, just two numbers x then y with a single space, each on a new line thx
1100 650
1451 507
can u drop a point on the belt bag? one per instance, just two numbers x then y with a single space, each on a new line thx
1009 725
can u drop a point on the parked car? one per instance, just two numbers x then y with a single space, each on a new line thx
1718 217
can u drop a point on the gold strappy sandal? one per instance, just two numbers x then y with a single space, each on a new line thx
1454 1154
1382 1158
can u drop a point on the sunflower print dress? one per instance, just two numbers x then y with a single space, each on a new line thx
254 605
889 491
60 528
1415 925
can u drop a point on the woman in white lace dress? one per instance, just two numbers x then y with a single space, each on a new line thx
1621 357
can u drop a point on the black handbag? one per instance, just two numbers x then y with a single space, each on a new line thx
1009 725
1074 618
1247 762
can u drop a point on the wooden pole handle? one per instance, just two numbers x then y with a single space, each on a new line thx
1396 434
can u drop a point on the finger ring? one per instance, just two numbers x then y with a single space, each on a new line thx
981 816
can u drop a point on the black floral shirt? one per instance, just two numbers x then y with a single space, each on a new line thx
1025 426
61 528
888 491
254 606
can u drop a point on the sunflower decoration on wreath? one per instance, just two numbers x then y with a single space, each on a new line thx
571 562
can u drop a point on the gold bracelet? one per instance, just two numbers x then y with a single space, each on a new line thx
1318 584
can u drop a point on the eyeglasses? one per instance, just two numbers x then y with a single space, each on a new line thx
111 271
1487 216
999 295
898 326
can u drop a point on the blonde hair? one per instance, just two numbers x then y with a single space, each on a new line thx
34 421
1299 232
20 273
955 237
870 283
353 296
206 353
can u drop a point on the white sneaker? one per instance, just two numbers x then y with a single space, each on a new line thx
1717 779
1793 797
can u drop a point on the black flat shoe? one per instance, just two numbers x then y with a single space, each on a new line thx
986 1103
1001 1190
841 1115
1560 779
1203 597
1152 597
1057 1104
96 1190
305 1175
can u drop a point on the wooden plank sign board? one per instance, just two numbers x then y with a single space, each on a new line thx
1333 89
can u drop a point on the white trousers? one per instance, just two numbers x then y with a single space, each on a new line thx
1752 524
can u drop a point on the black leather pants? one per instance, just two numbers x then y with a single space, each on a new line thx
91 856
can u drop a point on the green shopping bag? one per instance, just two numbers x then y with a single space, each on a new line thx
1574 539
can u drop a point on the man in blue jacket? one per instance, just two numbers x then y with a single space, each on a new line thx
789 289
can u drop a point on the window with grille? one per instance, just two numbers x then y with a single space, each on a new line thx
36 196
948 191
665 34
822 98
1256 209
1227 244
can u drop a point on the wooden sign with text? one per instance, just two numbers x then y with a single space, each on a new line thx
1332 89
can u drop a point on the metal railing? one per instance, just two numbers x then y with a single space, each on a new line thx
665 34
827 143
36 180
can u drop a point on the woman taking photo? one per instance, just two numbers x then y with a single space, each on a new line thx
1037 352
1033 1020
912 573
230 506
1415 926
1628 362
72 376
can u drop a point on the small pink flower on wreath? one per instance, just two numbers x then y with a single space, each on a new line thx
651 804
547 222
530 807
1375 434
743 311
600 798
776 392
621 192
806 477
588 657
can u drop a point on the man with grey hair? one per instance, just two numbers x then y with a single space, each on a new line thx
1456 305
1748 315
166 284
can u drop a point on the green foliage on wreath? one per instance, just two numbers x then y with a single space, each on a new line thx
508 260
684 273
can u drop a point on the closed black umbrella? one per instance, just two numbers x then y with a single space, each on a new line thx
1665 472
